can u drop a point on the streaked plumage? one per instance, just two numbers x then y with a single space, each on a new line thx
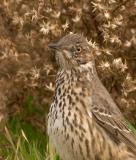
84 123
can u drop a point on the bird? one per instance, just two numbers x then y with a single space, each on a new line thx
84 122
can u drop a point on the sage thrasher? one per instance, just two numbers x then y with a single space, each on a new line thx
84 123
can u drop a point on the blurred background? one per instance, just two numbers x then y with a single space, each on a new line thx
28 69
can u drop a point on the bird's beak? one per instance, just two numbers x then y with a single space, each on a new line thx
54 46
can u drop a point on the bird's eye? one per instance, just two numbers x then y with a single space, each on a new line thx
78 49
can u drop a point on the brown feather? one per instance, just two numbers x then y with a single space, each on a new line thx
115 125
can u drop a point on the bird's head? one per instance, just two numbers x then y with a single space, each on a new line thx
72 51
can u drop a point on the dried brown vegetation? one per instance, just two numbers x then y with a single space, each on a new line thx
27 66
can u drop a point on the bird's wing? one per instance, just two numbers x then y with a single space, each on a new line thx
114 125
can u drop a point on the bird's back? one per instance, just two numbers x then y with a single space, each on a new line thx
108 116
